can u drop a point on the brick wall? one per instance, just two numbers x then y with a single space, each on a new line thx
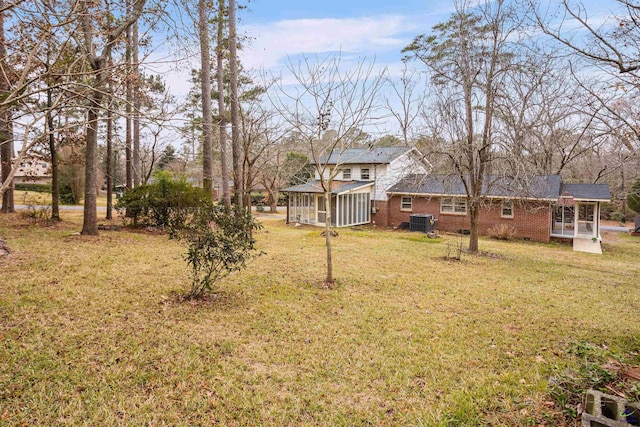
532 220
381 217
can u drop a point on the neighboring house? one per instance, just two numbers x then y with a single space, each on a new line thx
33 169
359 190
539 208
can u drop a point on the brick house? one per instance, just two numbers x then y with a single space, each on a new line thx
359 193
539 208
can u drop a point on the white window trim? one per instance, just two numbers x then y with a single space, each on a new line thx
345 172
410 208
453 206
362 173
502 214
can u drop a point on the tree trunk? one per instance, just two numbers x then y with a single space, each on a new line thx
473 219
6 157
6 128
53 152
273 200
207 117
90 223
109 160
328 281
222 125
236 147
128 140
137 167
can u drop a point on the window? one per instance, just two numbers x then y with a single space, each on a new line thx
406 204
453 205
507 209
346 173
364 173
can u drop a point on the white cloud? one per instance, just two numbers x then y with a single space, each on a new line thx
274 42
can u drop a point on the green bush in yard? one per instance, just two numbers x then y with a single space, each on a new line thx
220 241
167 202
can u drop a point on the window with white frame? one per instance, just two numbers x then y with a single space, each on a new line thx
346 173
453 205
406 203
364 173
507 209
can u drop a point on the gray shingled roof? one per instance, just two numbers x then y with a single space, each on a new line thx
587 191
537 187
380 155
338 187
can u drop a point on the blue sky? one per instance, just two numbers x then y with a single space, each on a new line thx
372 29
272 10
365 28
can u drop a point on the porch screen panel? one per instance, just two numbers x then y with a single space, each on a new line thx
292 207
353 212
312 209
367 211
293 202
307 208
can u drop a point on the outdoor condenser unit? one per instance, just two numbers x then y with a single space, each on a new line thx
424 223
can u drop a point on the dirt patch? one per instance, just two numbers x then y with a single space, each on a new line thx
4 249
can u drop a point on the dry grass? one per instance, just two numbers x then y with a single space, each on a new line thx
92 334
35 198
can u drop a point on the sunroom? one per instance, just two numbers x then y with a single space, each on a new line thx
576 214
350 203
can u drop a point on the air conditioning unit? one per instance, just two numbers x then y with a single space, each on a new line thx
424 223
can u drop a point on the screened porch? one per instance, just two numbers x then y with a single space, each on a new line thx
350 204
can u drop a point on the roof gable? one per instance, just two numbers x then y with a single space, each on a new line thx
350 156
586 191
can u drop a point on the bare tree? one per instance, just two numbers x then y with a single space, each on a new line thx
608 69
405 102
617 46
262 134
90 18
327 110
468 57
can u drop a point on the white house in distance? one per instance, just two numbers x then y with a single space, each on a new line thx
33 169
359 190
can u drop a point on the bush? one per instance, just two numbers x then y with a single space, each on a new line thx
257 198
37 214
503 232
31 186
220 241
168 202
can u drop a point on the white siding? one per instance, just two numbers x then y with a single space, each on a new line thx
384 175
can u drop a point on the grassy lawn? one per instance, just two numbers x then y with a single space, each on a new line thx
34 198
91 332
